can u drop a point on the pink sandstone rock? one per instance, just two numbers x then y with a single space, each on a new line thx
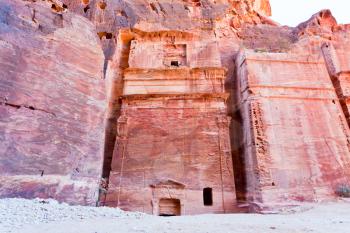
295 133
52 104
173 129
211 105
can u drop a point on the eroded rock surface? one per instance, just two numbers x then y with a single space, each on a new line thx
52 104
278 94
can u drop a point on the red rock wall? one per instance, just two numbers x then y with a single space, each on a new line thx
182 139
296 144
337 57
192 16
173 131
52 103
288 133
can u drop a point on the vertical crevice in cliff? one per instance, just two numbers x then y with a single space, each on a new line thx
236 135
335 74
236 127
114 78
239 169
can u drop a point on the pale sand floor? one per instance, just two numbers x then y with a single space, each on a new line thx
25 216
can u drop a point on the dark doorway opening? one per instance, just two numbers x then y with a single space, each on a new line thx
167 215
208 196
175 63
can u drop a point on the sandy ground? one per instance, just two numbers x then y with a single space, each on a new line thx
38 216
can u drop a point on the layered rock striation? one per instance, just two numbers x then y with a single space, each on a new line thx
173 131
52 104
210 105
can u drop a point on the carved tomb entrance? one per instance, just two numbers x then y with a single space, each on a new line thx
169 207
168 198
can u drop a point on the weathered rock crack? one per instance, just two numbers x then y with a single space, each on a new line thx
30 107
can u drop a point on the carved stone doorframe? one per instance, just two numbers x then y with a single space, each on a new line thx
168 189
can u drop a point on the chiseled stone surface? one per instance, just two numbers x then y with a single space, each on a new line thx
52 104
296 136
173 130
206 18
337 55
199 93
179 139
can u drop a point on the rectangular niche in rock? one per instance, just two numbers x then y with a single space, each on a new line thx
175 55
169 207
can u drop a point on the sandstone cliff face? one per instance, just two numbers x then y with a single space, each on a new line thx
286 90
52 104
173 116
209 20
298 126
284 67
156 15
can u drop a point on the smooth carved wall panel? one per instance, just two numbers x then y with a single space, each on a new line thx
174 81
342 50
160 54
